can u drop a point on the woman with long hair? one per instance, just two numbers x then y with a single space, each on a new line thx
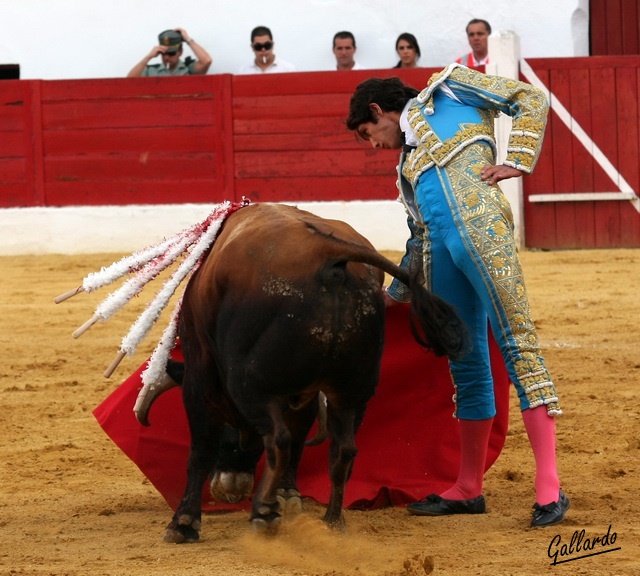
408 50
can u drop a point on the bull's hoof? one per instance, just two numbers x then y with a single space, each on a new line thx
265 518
231 487
184 531
338 524
266 526
290 502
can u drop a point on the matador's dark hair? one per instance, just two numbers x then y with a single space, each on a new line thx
391 94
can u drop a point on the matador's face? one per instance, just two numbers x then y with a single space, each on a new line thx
385 132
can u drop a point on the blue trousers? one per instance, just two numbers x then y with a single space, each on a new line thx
472 262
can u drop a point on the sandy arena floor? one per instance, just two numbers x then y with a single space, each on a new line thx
73 505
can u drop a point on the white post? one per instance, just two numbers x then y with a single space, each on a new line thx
504 58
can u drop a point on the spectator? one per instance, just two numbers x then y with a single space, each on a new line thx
265 61
344 49
478 32
170 48
408 50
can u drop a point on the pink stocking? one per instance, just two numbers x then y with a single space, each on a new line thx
541 429
474 441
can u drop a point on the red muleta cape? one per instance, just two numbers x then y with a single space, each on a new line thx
408 443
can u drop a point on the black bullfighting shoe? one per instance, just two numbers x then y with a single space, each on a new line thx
434 505
552 513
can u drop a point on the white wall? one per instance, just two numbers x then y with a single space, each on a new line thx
124 229
62 39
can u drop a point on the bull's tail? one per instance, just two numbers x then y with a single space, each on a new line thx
434 322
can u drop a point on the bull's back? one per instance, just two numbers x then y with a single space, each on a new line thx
276 243
273 289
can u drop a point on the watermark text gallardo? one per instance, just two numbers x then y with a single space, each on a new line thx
580 546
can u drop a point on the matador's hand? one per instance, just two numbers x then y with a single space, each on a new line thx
494 173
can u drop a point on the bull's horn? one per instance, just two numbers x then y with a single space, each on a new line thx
148 396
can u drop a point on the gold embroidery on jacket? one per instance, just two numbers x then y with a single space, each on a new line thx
525 140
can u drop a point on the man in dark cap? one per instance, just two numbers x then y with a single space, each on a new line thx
170 49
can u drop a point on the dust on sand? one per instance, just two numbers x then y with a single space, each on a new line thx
72 504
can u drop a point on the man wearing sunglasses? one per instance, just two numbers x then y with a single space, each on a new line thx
265 61
170 49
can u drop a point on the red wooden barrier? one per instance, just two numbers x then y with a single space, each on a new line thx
188 139
282 138
140 142
601 96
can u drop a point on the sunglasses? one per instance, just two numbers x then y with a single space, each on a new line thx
266 46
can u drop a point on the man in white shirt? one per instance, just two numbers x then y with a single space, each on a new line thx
344 49
265 61
478 32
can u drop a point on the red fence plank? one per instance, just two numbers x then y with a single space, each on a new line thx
116 167
334 140
540 219
588 63
95 114
128 88
286 106
318 189
16 145
603 93
628 109
148 191
630 26
309 126
175 139
13 144
13 170
12 118
562 154
613 24
582 162
597 27
614 27
300 164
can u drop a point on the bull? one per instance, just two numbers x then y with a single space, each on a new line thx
286 305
